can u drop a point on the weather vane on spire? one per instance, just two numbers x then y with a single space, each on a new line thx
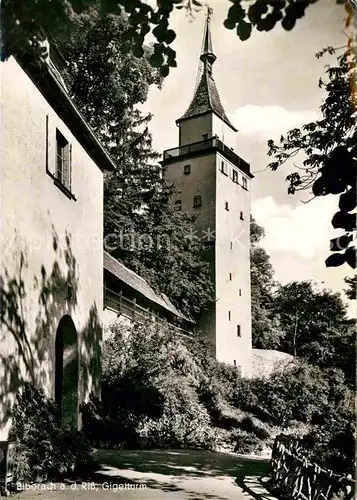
209 12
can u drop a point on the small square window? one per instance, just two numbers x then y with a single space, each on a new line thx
230 276
187 169
239 331
241 216
226 205
178 204
245 183
197 201
229 315
235 176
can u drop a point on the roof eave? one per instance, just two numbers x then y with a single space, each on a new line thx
225 120
46 81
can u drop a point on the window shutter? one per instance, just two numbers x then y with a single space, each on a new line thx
66 166
70 168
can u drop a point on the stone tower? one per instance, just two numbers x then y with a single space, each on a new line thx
213 182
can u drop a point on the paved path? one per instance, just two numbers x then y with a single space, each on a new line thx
158 474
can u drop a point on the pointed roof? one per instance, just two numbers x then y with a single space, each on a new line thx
206 97
207 47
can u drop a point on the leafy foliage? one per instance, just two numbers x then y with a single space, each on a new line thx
318 398
150 383
352 287
315 326
45 451
161 390
329 148
266 331
263 15
21 21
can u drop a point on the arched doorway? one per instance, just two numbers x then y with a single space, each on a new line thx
66 372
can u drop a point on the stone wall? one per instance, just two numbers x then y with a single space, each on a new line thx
267 361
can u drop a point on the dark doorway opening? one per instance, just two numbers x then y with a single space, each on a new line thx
66 373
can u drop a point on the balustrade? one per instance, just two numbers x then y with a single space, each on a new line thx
296 478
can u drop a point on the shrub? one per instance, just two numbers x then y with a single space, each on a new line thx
45 451
175 429
255 426
246 442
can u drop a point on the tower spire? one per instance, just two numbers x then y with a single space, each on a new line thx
206 98
208 57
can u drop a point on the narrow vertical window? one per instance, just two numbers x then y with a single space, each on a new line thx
230 276
224 168
240 292
241 216
245 183
231 245
239 331
234 362
229 315
226 205
197 201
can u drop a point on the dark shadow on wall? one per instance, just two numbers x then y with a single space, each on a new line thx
51 295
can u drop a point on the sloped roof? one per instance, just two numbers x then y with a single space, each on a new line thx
206 99
138 283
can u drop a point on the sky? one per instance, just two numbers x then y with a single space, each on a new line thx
268 85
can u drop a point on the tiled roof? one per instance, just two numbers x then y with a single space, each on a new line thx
206 99
138 283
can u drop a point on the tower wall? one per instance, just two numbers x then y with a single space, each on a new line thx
228 245
224 132
233 305
201 181
193 130
209 125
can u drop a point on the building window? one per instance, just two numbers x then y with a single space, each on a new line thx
226 206
230 276
229 315
187 169
224 168
241 216
197 201
240 292
238 331
235 362
245 183
231 245
178 204
235 176
63 160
